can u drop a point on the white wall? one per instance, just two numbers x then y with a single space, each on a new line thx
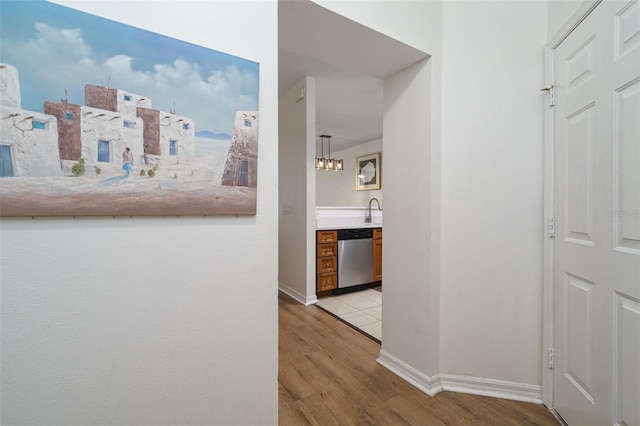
408 301
167 320
462 297
296 235
411 185
416 23
492 156
339 188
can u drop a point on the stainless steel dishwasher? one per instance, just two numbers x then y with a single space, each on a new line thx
355 257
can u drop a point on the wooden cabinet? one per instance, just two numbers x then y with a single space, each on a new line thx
377 254
326 260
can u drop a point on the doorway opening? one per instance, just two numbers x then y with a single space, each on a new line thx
313 67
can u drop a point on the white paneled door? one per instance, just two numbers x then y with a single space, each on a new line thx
597 214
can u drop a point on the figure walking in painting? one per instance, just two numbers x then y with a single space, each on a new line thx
127 161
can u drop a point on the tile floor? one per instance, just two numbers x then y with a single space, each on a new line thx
361 309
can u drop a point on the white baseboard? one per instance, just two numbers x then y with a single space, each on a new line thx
299 297
464 384
429 385
491 387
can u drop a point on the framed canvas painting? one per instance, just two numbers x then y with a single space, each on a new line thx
102 118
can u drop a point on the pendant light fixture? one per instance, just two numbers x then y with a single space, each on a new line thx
328 163
320 161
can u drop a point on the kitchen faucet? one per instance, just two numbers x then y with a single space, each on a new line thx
368 218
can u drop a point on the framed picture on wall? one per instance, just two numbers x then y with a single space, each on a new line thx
368 172
137 124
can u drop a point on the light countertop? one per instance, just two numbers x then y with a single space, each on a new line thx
350 226
328 218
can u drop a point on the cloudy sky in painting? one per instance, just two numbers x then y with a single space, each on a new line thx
56 49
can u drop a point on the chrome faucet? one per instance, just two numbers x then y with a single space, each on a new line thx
367 219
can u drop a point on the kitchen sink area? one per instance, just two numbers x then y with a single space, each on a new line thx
347 217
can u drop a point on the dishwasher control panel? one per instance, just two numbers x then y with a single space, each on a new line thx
354 234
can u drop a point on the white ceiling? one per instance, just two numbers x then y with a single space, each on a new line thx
348 105
349 62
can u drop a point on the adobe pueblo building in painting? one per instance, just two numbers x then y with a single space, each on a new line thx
28 139
113 120
241 166
86 146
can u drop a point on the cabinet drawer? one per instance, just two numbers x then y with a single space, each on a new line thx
327 264
326 281
377 233
327 236
327 249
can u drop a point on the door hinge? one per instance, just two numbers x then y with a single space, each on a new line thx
552 228
550 358
552 94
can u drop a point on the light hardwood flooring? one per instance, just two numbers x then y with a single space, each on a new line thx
328 375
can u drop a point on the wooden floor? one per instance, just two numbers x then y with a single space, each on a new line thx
328 375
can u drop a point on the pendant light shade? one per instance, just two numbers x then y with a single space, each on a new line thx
320 160
328 163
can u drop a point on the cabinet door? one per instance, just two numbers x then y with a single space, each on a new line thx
377 260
